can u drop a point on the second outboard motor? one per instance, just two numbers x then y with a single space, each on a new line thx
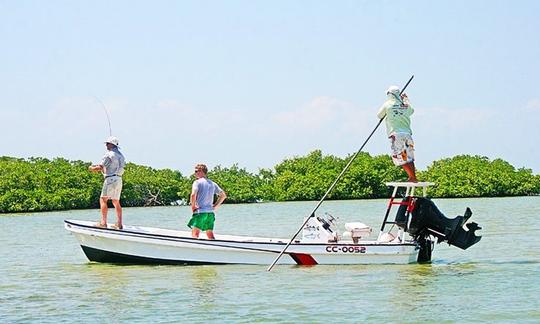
428 220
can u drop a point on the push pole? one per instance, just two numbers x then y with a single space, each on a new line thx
332 186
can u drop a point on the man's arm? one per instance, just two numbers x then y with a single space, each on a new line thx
407 103
193 197
95 168
221 197
105 162
382 112
193 201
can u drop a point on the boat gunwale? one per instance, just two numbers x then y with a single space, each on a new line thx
204 241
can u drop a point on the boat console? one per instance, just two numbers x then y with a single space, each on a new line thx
320 230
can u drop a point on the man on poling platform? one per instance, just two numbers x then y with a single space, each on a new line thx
398 111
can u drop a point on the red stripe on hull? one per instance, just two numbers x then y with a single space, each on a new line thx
303 259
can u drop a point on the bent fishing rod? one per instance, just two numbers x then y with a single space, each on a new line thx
312 214
106 113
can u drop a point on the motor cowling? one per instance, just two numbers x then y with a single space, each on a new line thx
426 219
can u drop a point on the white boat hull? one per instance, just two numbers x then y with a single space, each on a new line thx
146 245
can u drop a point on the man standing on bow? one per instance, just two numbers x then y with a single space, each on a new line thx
203 192
112 166
398 111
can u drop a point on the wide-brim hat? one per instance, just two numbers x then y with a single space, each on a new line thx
112 140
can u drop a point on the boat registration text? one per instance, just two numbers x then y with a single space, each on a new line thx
345 249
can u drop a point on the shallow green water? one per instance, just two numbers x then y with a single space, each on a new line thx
45 277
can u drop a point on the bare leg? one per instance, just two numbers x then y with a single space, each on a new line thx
104 209
411 171
210 235
118 208
195 232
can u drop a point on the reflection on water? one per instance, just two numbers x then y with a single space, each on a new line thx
205 282
109 281
424 287
412 287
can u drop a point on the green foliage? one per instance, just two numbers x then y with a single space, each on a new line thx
240 185
309 177
145 186
38 184
477 176
367 176
306 178
265 191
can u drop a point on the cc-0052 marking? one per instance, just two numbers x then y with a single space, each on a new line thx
345 249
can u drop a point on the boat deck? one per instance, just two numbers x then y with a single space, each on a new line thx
187 234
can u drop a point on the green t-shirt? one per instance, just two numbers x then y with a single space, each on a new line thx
397 116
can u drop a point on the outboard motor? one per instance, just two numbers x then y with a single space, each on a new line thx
426 219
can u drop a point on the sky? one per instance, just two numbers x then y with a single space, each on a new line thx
254 82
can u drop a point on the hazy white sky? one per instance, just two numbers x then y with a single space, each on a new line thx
253 82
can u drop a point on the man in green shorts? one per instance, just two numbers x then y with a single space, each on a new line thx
202 203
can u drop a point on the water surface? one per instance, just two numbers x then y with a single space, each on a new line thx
45 277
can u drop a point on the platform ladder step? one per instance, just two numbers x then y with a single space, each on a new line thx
409 193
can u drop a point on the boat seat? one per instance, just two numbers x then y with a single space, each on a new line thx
357 230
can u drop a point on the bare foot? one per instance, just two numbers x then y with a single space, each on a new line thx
101 225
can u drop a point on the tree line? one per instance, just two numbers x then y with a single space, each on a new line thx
39 184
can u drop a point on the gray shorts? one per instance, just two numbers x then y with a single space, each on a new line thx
112 188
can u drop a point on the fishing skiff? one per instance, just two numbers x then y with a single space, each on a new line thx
411 238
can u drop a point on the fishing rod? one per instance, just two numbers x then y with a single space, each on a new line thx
106 113
312 214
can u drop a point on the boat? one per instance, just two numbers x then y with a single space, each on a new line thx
418 224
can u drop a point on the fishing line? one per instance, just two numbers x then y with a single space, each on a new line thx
106 113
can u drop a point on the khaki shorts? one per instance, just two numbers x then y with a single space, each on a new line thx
112 188
402 148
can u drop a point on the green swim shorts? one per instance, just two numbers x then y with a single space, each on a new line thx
202 221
